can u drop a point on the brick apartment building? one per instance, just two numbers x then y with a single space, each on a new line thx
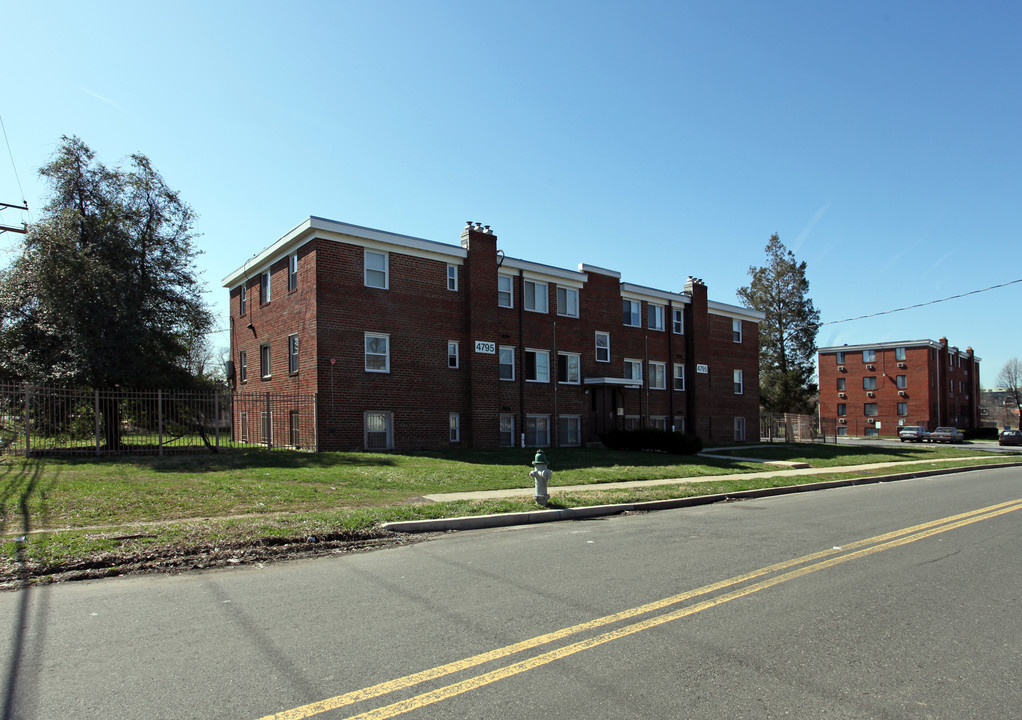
413 344
876 388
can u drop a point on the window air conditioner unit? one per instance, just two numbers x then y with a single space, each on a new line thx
871 394
870 367
871 421
902 393
841 395
842 421
902 365
841 368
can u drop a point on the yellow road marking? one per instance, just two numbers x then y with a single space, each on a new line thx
869 546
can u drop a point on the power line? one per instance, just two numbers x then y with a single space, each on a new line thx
4 128
919 305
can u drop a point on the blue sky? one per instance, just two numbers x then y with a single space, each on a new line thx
881 140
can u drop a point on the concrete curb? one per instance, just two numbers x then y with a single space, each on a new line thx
478 522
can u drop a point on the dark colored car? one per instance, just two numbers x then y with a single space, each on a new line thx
947 435
1010 437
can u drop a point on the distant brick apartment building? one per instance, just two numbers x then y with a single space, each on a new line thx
414 344
874 389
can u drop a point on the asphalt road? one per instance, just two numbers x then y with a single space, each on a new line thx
880 601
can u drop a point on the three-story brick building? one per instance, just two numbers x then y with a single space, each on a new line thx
408 343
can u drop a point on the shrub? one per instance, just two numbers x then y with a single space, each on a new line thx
650 440
982 433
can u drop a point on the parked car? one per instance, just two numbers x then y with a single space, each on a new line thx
913 433
1010 437
947 435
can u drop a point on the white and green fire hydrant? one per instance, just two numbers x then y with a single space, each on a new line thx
541 474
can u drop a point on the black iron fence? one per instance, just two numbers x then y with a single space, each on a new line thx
38 420
789 427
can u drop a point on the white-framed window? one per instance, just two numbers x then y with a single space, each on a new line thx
505 291
295 427
951 382
679 423
679 376
869 409
535 296
840 357
452 278
631 311
739 429
869 382
899 354
842 409
739 382
569 368
633 371
569 430
292 272
736 330
567 301
655 317
602 346
376 269
903 408
507 362
266 427
243 300
658 423
377 352
901 381
658 377
841 384
244 426
379 430
506 430
264 361
452 353
678 321
455 425
869 356
264 287
537 430
632 422
537 365
292 354
243 366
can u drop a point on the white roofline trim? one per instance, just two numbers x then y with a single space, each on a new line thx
734 311
641 292
544 272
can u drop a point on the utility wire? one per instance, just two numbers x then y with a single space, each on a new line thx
11 154
918 305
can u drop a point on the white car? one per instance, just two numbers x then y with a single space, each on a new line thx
913 433
947 435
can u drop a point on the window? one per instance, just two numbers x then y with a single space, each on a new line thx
537 365
243 369
377 353
739 429
535 296
899 354
872 432
658 376
455 425
869 382
632 312
655 317
632 422
567 302
264 287
243 300
452 353
679 376
292 354
376 264
602 347
840 383
739 382
903 408
452 277
633 371
842 409
505 291
842 430
295 427
658 423
292 272
568 371
379 430
952 384
266 428
568 430
264 361
678 321
537 430
506 430
869 356
869 409
244 426
840 358
679 423
901 381
507 362
736 330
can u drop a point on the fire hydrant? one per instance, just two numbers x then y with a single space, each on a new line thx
541 474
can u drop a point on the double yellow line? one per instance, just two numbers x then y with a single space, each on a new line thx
780 572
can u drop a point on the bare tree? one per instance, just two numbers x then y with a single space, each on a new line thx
1010 378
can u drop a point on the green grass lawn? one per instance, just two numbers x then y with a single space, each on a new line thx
90 506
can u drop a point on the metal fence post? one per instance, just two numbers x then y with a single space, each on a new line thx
315 421
269 424
159 420
28 442
216 418
97 422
